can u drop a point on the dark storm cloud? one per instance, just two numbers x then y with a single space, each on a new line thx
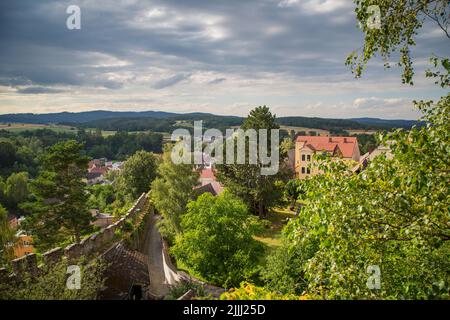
168 82
38 90
217 80
249 38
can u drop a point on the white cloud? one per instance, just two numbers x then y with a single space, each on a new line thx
317 6
217 56
157 13
374 102
287 3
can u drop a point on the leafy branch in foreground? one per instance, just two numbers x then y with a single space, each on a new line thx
51 284
400 23
248 291
393 215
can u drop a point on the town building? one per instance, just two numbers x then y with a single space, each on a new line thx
208 183
23 244
98 168
382 149
306 147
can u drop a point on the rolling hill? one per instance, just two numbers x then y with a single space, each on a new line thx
166 121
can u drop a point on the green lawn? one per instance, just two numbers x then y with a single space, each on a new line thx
271 237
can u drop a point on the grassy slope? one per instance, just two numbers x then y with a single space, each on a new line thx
271 237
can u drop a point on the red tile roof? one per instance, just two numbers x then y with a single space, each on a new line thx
215 188
207 173
346 145
208 182
101 170
94 163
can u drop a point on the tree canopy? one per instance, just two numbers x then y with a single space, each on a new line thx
51 283
60 209
172 190
6 236
259 192
138 172
394 215
217 239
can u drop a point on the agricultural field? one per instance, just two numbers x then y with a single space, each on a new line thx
320 132
19 127
353 132
105 133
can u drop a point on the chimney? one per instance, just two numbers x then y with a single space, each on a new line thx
345 140
329 139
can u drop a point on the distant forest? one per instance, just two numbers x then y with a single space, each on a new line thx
335 126
158 121
132 131
163 124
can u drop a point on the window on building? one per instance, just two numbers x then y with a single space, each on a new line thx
308 170
303 169
303 157
308 157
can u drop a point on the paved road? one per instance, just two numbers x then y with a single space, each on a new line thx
158 286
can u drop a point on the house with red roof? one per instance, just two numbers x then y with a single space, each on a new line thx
306 147
208 183
97 170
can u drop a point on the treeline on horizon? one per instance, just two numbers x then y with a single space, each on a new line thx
224 122
157 121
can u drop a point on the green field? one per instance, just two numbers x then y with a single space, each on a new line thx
20 127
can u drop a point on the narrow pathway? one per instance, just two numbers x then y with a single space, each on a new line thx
154 250
153 244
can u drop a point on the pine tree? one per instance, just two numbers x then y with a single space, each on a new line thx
60 209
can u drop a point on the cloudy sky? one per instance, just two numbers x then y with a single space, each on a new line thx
218 56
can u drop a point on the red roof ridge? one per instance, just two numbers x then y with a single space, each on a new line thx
346 145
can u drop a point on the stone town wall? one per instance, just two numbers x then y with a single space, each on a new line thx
87 247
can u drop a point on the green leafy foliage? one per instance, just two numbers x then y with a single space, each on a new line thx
441 72
16 189
217 239
51 284
171 191
60 209
248 291
393 215
259 192
6 237
119 145
366 142
177 290
138 173
293 190
400 23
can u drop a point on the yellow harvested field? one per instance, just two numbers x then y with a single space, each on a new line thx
319 132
